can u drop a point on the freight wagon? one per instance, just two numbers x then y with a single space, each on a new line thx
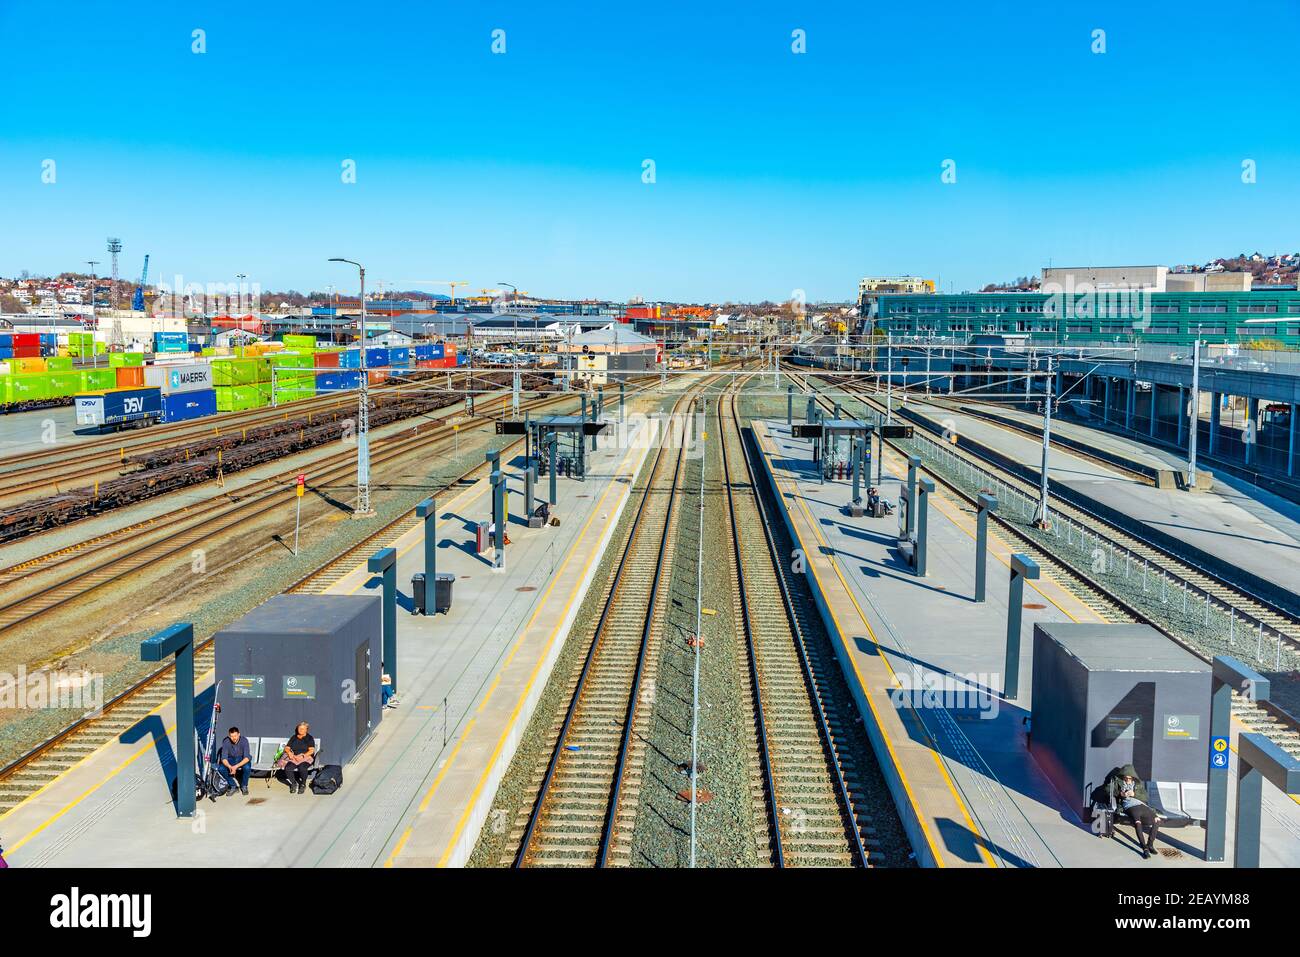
119 408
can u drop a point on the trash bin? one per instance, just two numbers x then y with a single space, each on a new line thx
417 594
442 591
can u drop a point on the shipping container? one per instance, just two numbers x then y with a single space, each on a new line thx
399 357
350 359
299 342
130 377
377 376
180 377
97 380
179 406
237 398
28 365
326 360
424 352
118 407
240 371
26 340
376 358
26 388
58 364
64 385
171 342
462 359
130 359
49 338
338 380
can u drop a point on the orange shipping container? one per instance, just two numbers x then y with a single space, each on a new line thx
377 376
130 376
327 360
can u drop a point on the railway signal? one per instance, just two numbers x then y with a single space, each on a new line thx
299 488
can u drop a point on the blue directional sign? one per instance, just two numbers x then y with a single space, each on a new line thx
1219 754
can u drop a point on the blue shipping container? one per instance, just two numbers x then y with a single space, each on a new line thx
170 342
376 358
118 406
49 339
6 352
423 353
399 357
350 359
337 380
462 358
179 406
6 340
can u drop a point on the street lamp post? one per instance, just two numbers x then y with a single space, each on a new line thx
1196 412
363 508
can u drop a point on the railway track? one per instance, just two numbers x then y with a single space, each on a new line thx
808 787
54 471
46 761
164 540
1252 608
587 794
1265 718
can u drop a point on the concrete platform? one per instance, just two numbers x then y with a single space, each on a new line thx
969 793
1245 528
418 792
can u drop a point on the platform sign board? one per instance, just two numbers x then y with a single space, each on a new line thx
806 431
300 686
1182 727
1218 754
249 686
511 428
896 431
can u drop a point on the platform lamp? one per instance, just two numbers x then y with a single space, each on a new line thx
363 508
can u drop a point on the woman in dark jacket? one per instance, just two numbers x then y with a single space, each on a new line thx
1128 795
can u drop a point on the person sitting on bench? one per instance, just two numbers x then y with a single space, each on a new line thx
300 750
233 761
1128 796
543 512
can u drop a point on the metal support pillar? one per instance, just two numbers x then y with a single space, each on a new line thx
530 480
913 463
622 400
789 405
925 489
428 510
857 471
1228 675
499 520
1022 567
554 443
984 505
1258 758
1216 407
1290 447
384 563
178 641
1250 435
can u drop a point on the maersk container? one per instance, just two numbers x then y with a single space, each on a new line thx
180 377
119 407
179 406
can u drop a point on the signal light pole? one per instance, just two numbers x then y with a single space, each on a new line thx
363 508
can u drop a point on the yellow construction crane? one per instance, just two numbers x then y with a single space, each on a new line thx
453 283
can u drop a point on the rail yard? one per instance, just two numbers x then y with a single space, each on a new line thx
705 650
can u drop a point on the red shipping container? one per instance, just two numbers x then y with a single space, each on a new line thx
24 339
377 376
428 364
27 352
130 376
327 360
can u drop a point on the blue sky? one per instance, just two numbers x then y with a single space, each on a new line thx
775 171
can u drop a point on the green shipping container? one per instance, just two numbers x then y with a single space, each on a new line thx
237 398
58 364
64 384
96 380
299 342
240 371
27 388
291 360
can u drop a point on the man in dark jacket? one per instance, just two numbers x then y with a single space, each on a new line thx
233 761
1127 794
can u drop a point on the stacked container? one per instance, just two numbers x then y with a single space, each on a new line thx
171 342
